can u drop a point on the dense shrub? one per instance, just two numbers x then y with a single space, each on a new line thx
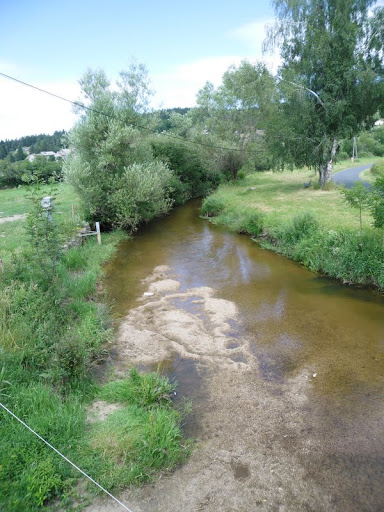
377 169
187 163
13 174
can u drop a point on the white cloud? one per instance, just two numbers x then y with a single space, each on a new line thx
178 87
253 35
26 111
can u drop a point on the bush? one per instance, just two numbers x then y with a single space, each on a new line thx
13 174
377 169
303 225
188 165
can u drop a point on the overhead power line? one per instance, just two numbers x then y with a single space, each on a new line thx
116 118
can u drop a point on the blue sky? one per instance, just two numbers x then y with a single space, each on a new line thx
51 44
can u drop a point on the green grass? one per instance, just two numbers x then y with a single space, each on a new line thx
55 330
313 226
15 201
279 196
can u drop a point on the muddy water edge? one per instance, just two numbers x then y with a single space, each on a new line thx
284 369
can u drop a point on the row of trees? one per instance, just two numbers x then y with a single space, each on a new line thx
330 86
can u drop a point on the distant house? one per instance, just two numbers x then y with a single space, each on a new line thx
60 155
379 122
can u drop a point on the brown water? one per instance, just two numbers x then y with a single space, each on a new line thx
296 321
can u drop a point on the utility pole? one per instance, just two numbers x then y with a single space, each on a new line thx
354 150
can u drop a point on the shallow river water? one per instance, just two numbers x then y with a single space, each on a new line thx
314 362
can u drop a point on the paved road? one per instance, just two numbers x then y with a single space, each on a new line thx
348 177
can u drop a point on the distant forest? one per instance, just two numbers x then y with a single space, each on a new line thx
36 143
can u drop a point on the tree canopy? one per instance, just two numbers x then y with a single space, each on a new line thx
331 78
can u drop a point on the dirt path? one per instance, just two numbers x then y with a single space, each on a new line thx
14 217
250 447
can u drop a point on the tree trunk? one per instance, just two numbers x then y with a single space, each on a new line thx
326 169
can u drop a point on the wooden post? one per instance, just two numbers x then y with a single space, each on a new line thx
98 233
73 212
1 265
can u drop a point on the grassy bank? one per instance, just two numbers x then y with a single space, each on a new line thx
314 227
55 332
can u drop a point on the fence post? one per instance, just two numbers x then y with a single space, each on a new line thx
98 233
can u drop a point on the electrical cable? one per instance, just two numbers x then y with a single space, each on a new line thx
64 457
91 109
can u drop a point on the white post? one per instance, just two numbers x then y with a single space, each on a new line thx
98 233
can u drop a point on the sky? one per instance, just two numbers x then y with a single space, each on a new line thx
51 44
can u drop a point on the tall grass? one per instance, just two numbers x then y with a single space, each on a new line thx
54 327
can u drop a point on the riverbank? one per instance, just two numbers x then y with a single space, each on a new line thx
56 335
312 226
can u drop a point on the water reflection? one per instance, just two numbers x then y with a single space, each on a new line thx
338 332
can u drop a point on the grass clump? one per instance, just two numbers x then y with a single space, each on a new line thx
212 206
148 390
144 435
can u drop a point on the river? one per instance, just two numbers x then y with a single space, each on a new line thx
284 369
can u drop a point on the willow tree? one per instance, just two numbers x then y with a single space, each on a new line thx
330 81
233 114
111 165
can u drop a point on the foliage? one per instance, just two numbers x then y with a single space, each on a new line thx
369 141
16 173
303 225
52 337
233 116
212 206
43 232
331 80
358 197
194 178
112 166
164 122
378 202
345 254
377 169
